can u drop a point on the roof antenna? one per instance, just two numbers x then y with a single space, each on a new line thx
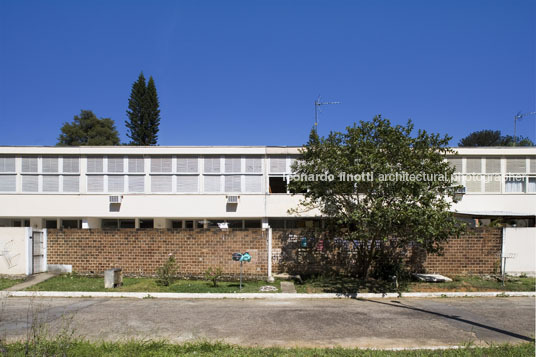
517 117
318 103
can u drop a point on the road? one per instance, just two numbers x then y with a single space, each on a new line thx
382 323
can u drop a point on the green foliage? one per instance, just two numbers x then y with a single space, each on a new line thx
87 129
167 273
143 113
492 138
213 274
377 214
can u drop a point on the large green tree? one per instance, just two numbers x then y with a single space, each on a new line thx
143 113
380 214
492 138
87 129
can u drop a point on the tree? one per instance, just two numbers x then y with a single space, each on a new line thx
492 138
380 215
87 129
143 113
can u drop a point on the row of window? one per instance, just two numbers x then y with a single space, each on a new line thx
493 165
475 183
136 164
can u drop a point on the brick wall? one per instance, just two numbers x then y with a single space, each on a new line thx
141 252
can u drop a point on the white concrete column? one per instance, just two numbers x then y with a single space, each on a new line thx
270 277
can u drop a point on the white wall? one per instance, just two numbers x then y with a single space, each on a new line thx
15 250
520 245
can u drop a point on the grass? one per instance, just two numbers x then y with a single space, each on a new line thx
73 282
7 283
346 285
157 349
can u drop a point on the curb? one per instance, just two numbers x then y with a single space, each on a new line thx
265 296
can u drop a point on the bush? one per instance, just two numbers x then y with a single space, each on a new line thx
213 274
167 273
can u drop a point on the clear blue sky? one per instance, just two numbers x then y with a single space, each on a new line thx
247 72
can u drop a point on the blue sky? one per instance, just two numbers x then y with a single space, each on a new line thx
247 72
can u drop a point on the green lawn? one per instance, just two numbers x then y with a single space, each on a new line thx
7 283
461 283
156 349
72 282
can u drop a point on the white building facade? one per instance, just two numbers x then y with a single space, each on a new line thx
199 187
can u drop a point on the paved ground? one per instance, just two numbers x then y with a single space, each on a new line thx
362 323
31 281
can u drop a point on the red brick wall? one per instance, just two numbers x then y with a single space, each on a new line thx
141 252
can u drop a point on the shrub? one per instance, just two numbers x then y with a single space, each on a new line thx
167 273
213 274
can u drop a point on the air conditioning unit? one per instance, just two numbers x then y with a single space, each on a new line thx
115 199
232 199
461 191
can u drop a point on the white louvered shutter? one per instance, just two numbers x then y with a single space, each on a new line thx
30 183
456 163
473 165
253 183
135 164
233 164
493 165
95 183
115 164
233 183
7 164
253 164
161 183
187 183
51 183
50 164
95 164
136 184
116 183
71 164
278 164
212 183
516 165
29 164
187 164
71 183
212 164
533 165
8 183
161 164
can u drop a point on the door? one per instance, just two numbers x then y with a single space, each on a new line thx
38 252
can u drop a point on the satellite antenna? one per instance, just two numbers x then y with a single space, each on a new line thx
517 117
318 103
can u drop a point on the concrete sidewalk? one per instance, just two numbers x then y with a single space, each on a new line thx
367 323
31 281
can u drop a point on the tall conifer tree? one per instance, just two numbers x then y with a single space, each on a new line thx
143 113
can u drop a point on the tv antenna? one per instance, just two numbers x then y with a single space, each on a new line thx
517 117
318 103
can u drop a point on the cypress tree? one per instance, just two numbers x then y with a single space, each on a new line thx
135 112
152 111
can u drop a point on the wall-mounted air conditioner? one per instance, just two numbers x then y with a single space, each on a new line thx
232 199
115 199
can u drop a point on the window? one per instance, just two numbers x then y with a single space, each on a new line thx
161 184
51 183
29 164
136 184
30 183
212 184
161 164
135 164
514 184
127 223
116 183
493 165
94 164
95 183
278 164
187 183
51 224
492 183
233 183
532 162
212 164
110 223
233 164
278 184
8 183
50 164
253 183
532 184
473 183
253 165
7 164
146 223
70 223
71 184
71 164
456 163
516 165
187 164
115 164
473 165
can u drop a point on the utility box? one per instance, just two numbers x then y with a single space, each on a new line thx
113 278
